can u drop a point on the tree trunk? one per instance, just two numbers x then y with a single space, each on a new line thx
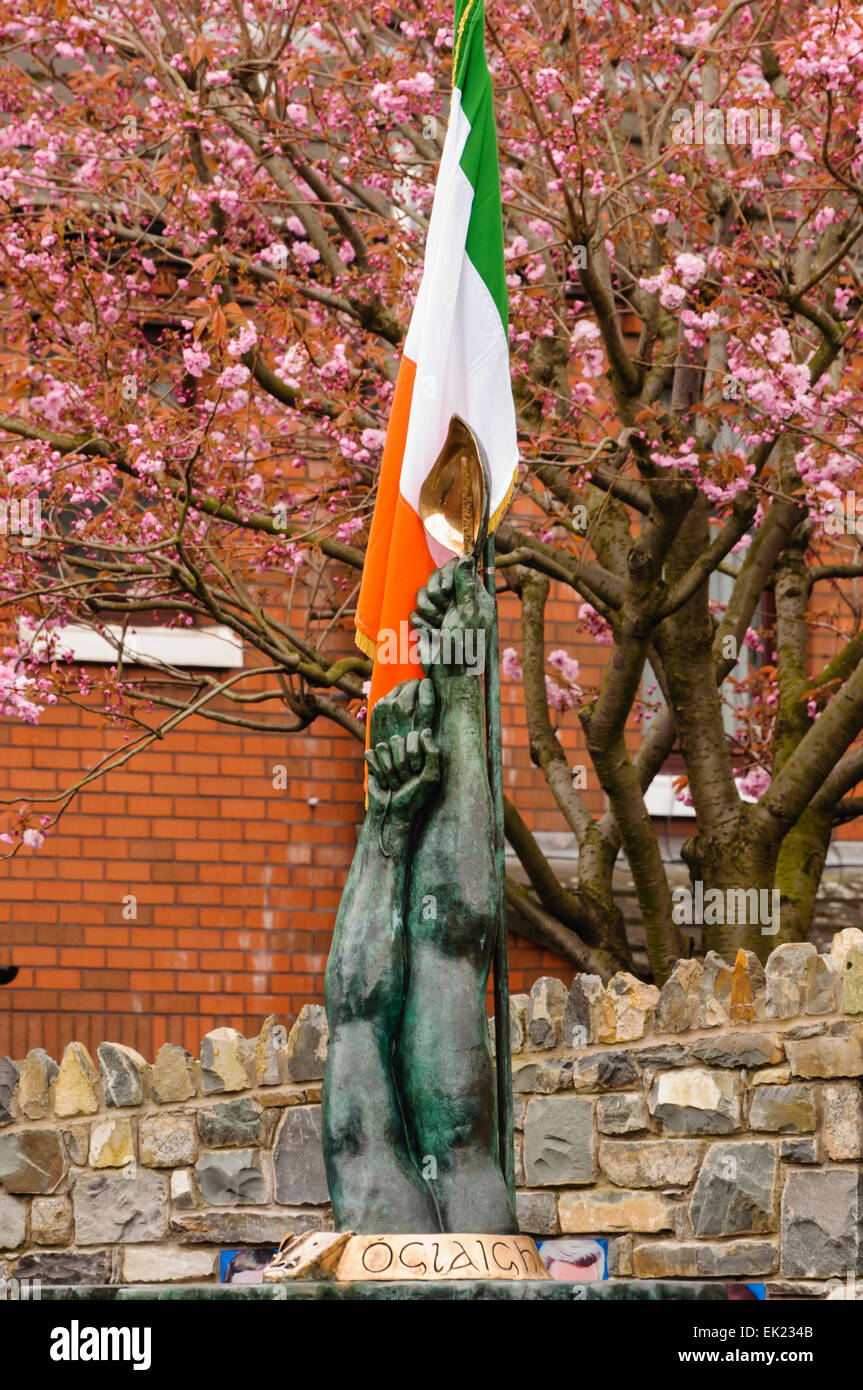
798 872
743 876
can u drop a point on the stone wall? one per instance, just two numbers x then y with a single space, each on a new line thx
122 1172
713 1130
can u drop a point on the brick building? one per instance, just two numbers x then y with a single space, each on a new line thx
198 885
186 890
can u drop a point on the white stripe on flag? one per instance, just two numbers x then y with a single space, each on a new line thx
457 340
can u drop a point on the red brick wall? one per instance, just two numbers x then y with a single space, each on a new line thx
237 883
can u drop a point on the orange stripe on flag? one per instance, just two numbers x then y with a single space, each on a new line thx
371 600
409 567
398 561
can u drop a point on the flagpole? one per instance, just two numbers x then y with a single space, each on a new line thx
500 958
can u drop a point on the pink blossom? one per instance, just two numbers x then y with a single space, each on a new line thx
568 668
196 360
548 81
558 698
244 341
337 367
387 99
671 296
593 363
565 664
823 218
306 254
232 377
754 784
148 464
510 665
585 331
373 439
583 393
419 86
18 693
596 625
798 145
275 254
690 268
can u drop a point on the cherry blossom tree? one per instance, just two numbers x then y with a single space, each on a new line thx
214 216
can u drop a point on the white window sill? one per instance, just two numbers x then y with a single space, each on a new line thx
660 800
216 646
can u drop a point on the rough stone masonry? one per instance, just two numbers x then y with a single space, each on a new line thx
710 1130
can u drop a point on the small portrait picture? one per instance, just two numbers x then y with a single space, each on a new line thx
573 1257
244 1266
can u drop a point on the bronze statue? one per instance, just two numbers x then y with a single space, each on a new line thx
409 1115
411 1136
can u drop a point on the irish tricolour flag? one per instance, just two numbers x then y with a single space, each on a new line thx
455 362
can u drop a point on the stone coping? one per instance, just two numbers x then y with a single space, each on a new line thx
795 982
699 996
411 1291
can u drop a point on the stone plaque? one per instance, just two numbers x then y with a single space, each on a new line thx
441 1257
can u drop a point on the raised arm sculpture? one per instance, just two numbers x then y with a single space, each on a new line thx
409 1113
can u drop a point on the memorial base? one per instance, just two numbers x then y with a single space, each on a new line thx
348 1257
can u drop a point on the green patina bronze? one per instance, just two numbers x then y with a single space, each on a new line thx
410 1127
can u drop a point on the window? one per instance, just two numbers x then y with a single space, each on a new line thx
215 646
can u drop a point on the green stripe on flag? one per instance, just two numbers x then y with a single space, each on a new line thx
479 161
